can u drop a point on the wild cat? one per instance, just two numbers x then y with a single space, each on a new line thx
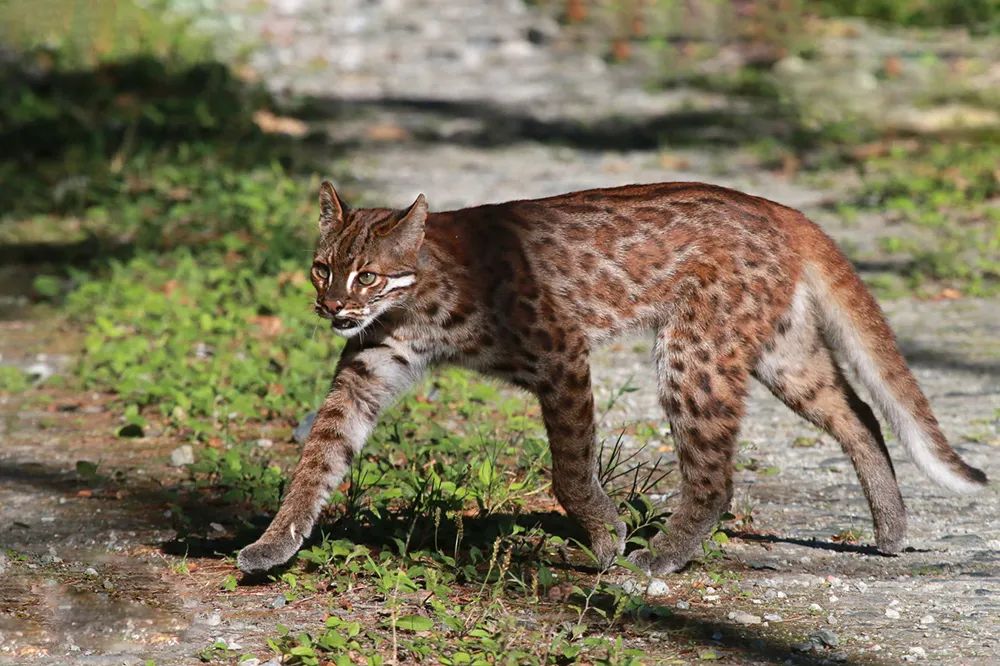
734 286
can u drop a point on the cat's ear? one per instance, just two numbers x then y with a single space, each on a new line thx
332 208
408 229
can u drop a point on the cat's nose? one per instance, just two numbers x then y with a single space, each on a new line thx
333 305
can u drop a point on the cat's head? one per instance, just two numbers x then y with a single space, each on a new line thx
365 261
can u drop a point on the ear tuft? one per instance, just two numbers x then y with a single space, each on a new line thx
332 208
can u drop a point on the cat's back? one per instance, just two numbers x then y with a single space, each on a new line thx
627 206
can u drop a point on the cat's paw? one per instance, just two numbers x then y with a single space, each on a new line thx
641 559
607 546
890 544
651 565
265 555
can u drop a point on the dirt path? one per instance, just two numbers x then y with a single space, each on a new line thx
474 102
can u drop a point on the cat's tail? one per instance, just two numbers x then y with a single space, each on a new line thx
856 328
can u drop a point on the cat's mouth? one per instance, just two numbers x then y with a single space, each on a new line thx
344 323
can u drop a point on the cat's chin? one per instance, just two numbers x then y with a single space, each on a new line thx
351 329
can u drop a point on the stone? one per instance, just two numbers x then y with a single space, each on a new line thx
826 637
182 455
892 613
927 619
772 617
742 617
654 587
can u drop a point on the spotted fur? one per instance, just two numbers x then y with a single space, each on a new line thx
736 286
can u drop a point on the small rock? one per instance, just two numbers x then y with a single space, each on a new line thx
815 608
892 613
278 601
742 617
39 372
825 637
772 617
838 657
264 443
301 433
107 585
252 661
683 605
3 562
710 597
213 620
918 652
803 647
831 619
927 619
90 571
182 455
217 527
654 587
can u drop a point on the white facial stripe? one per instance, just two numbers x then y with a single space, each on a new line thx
392 284
350 279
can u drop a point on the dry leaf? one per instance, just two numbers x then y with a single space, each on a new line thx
272 124
386 132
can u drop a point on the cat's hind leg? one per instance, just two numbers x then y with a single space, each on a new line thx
702 387
799 368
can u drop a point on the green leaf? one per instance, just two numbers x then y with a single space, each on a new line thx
414 623
229 583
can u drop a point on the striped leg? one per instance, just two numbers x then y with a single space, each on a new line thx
369 377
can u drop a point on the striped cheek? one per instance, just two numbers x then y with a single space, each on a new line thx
394 282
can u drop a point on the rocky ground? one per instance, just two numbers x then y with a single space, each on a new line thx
486 101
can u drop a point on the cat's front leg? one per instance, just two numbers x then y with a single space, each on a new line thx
369 377
567 404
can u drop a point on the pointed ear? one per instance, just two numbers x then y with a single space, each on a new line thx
408 228
331 208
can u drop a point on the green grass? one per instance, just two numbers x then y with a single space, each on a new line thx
942 196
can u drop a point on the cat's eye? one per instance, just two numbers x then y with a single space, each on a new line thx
366 279
321 271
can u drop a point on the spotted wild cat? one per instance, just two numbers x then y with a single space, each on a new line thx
734 285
